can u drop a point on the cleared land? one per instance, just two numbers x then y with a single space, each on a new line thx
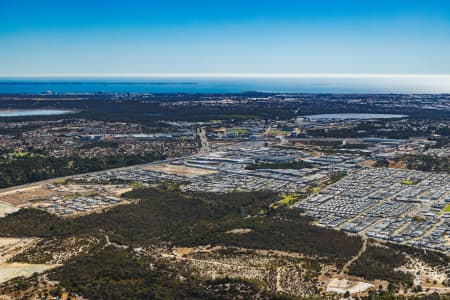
6 209
10 247
179 170
340 286
59 193
21 196
12 270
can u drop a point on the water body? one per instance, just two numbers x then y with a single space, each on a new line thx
440 84
353 116
33 112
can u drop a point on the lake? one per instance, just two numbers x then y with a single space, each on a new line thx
352 116
32 112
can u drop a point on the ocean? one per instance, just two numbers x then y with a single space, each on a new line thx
338 85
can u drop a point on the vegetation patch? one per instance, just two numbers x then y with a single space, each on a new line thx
32 168
239 130
119 274
407 182
446 208
20 154
288 199
380 263
189 220
277 132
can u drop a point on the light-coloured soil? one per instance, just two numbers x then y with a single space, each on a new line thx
277 272
179 170
340 286
21 196
6 209
430 278
119 192
11 270
239 231
10 247
367 163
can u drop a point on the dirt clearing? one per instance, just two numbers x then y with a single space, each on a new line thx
11 270
179 170
6 209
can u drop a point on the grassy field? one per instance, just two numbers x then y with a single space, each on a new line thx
239 130
286 199
277 132
20 154
316 189
407 182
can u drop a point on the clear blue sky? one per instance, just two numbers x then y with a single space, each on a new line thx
224 36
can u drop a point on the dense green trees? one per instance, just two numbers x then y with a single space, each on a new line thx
40 167
380 263
183 219
428 163
187 219
119 274
165 214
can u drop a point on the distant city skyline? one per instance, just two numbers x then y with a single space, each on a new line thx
224 38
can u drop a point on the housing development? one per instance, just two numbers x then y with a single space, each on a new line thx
387 204
342 204
401 206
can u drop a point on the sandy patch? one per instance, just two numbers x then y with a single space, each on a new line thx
179 170
11 270
10 247
6 209
21 196
119 192
183 250
239 231
340 286
425 275
367 163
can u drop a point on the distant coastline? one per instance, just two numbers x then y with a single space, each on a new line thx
90 82
192 85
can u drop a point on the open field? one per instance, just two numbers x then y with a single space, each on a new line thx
9 247
274 132
6 209
12 270
61 197
239 130
340 286
21 196
179 170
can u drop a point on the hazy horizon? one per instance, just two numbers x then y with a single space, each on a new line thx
302 83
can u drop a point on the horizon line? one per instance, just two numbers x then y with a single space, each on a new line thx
223 75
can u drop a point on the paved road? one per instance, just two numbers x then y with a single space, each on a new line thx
48 181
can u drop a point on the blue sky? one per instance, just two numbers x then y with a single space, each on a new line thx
233 36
